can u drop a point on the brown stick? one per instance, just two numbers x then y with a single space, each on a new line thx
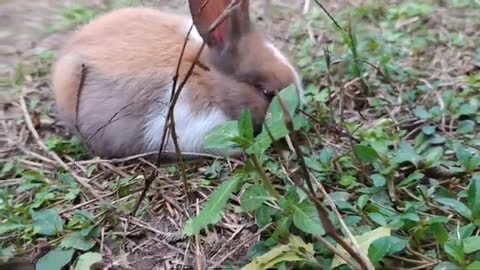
322 212
174 99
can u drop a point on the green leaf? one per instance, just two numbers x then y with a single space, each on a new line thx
463 155
261 144
455 252
379 248
306 218
253 198
364 241
213 209
378 180
440 232
274 123
473 164
471 244
398 245
433 156
314 165
222 136
77 241
378 218
406 153
446 266
473 266
85 261
263 216
366 153
326 156
10 227
245 125
465 231
457 206
473 197
347 180
467 109
7 253
362 201
296 250
47 222
55 259
421 113
428 130
465 127
414 177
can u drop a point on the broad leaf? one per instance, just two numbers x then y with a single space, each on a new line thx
55 259
378 180
474 197
253 198
473 266
274 123
471 244
378 218
77 241
379 248
455 252
364 241
222 136
245 125
446 266
366 153
7 253
47 222
440 232
433 156
263 216
463 155
465 127
406 153
457 206
85 261
10 227
296 250
326 156
213 209
306 218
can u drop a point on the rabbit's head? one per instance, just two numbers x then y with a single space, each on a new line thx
238 50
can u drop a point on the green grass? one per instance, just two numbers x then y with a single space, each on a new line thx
390 130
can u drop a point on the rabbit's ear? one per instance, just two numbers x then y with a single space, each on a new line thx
206 12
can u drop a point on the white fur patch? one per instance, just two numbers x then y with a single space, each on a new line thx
283 59
191 126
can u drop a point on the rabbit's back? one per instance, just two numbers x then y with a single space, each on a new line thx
120 68
134 40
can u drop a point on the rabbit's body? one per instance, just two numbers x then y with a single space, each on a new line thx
113 83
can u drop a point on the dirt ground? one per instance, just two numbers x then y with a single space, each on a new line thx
152 242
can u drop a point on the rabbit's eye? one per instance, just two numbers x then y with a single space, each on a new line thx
267 92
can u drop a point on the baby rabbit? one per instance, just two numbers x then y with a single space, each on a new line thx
114 78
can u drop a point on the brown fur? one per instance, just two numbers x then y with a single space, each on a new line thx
130 57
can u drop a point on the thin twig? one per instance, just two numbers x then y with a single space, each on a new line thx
322 212
329 15
168 118
82 181
246 241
